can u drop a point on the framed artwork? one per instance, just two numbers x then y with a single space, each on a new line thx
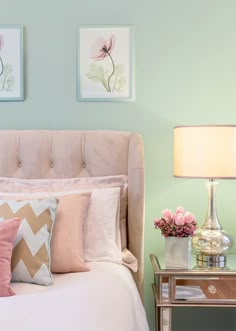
11 63
105 63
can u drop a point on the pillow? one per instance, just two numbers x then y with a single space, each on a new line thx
8 230
67 242
10 186
101 228
100 233
31 253
45 187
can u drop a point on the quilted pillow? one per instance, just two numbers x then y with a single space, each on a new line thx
8 230
31 253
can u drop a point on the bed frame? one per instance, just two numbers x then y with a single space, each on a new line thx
65 154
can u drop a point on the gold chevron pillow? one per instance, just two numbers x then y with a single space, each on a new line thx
31 253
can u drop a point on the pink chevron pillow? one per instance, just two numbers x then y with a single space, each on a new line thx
8 231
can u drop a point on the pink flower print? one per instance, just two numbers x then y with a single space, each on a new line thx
101 49
1 62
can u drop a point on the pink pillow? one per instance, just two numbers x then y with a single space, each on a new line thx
67 242
8 231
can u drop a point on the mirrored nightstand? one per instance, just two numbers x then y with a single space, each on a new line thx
191 288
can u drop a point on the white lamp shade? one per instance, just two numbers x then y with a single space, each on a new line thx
205 151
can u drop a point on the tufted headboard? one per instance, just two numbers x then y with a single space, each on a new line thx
66 154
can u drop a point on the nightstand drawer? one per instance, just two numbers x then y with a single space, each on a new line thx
190 288
217 289
203 290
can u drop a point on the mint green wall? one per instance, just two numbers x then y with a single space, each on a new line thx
185 74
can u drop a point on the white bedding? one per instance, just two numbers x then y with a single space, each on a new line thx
103 299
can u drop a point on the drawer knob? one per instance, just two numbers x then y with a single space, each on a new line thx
212 289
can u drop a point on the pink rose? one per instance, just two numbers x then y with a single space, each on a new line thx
179 219
180 210
188 217
167 214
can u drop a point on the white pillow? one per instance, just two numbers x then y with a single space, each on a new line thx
101 235
101 232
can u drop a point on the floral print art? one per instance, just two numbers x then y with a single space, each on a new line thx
7 79
103 69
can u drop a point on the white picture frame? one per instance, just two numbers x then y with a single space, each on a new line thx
105 63
11 63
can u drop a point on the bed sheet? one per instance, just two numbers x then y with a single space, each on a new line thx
103 299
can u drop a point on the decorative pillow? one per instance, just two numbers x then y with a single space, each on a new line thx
8 230
67 241
100 233
10 186
31 253
101 228
45 187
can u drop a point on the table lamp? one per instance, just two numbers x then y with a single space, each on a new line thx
207 151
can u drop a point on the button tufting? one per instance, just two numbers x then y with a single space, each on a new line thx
51 164
19 164
83 165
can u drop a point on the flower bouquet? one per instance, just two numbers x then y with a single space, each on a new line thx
177 228
180 224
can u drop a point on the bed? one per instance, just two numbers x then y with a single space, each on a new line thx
71 220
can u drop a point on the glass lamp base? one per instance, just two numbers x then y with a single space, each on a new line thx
210 241
211 261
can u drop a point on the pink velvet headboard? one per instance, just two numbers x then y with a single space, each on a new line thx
65 154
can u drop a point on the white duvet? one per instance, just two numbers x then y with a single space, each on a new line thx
103 299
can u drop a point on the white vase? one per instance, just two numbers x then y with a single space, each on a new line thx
178 252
